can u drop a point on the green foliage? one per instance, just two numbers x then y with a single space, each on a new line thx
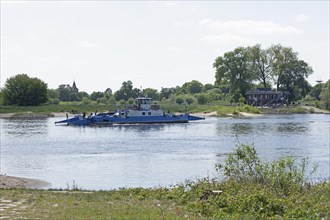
165 93
95 95
244 165
86 101
130 101
112 102
102 100
126 91
235 68
53 94
189 100
152 93
179 100
316 91
23 90
67 93
202 98
56 101
325 95
244 66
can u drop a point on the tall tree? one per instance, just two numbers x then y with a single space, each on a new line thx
24 90
195 87
151 93
234 68
290 73
64 91
126 91
262 61
288 70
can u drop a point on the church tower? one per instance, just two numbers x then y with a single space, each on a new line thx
74 87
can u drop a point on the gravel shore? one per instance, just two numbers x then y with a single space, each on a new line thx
11 182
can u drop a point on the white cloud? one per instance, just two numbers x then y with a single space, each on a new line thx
302 18
226 39
88 44
249 27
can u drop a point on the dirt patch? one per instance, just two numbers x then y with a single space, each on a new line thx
10 182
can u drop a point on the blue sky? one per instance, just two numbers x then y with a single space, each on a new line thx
100 44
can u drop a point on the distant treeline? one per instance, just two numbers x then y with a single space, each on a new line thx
236 72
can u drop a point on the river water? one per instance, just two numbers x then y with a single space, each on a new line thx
154 155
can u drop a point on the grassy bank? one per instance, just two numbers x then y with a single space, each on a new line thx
221 110
249 189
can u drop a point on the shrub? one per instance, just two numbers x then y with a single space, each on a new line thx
56 101
86 101
244 165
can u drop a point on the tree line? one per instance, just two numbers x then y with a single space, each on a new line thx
237 71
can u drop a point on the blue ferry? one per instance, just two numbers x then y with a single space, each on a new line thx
143 112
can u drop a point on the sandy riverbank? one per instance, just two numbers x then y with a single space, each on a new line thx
10 182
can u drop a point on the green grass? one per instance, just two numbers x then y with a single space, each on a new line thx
71 107
221 109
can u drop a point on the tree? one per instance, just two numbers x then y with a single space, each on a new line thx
126 91
152 93
95 95
53 94
24 91
234 68
64 90
207 87
179 100
316 91
325 95
262 61
189 100
166 92
290 73
195 87
202 98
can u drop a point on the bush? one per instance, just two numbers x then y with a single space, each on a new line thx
244 165
56 101
86 101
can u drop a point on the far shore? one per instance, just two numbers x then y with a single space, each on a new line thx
31 115
64 114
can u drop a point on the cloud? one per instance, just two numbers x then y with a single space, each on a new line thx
226 39
248 27
302 18
87 44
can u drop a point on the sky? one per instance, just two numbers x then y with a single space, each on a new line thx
155 44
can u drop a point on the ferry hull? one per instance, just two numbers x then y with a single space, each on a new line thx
98 120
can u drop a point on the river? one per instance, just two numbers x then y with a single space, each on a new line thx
109 157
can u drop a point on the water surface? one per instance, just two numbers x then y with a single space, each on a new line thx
116 156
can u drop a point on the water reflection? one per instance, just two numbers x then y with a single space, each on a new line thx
291 127
24 127
242 128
